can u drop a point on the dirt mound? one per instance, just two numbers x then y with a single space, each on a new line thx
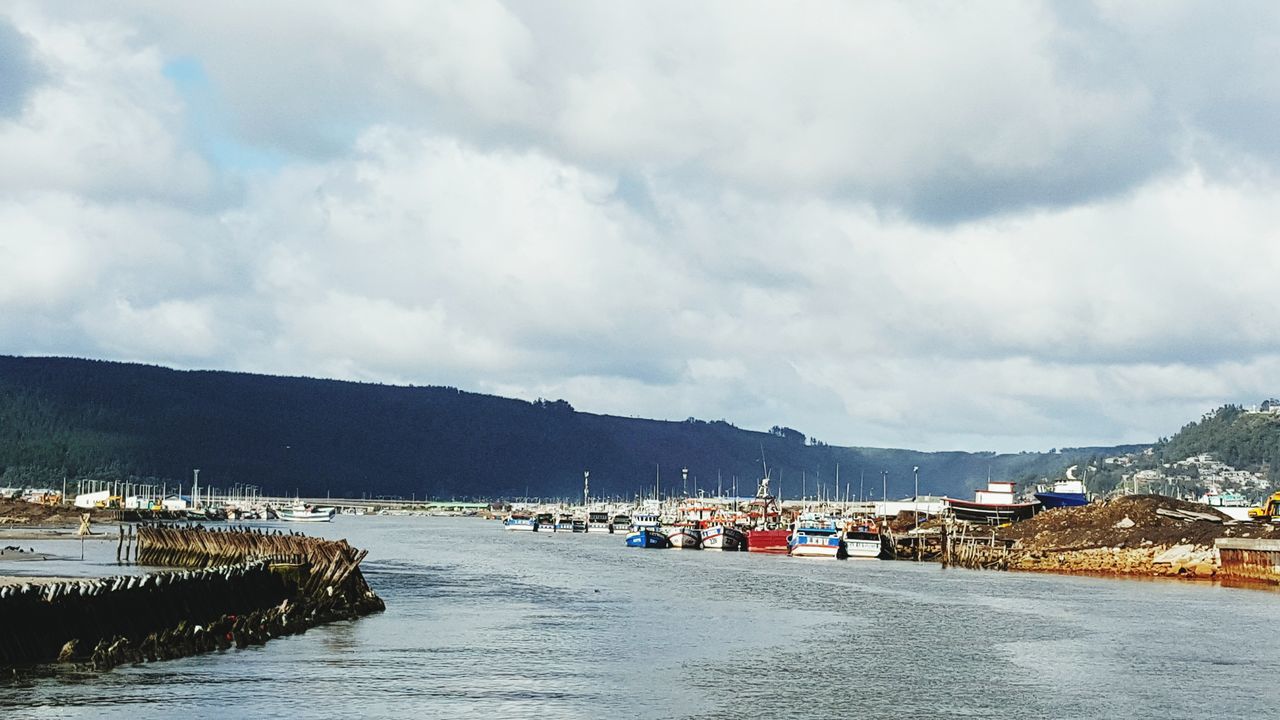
18 512
1129 522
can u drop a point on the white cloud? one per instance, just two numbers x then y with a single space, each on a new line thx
665 210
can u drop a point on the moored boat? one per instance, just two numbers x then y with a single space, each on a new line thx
518 521
306 513
564 523
544 522
721 536
598 522
765 540
620 524
647 537
861 540
685 537
813 540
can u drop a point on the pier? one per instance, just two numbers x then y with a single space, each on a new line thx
1249 559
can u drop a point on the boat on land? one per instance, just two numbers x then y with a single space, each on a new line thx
862 539
598 522
306 513
686 537
993 506
811 539
519 521
1065 493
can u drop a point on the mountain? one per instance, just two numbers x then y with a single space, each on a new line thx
74 418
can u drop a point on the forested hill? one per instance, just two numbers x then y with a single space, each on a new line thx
1245 440
63 417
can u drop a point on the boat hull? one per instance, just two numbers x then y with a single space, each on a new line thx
720 537
992 513
685 539
649 539
1051 500
518 526
768 541
867 549
815 550
321 515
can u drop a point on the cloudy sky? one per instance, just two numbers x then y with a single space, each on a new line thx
938 225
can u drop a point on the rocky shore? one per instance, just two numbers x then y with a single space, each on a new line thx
1140 535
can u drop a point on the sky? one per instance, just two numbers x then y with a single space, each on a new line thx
948 225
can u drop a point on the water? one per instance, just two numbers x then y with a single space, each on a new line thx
486 623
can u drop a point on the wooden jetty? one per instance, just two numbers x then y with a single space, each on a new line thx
236 587
974 546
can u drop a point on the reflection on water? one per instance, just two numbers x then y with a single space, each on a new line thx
485 623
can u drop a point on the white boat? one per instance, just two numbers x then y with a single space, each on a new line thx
722 537
684 536
306 513
516 521
861 541
810 540
598 522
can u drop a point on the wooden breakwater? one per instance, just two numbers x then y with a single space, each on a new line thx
238 588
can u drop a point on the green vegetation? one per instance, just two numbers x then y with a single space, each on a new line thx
62 417
1246 441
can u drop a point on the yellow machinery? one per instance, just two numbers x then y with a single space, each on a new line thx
1270 510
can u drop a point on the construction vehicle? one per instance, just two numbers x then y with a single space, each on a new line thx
1270 510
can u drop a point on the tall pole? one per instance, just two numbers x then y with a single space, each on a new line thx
684 480
195 492
884 498
586 488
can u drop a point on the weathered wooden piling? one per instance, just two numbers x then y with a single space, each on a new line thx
240 587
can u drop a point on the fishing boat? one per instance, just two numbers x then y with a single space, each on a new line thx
646 532
650 538
718 535
812 539
993 506
861 539
1065 493
544 522
620 524
564 523
306 513
598 522
579 525
766 533
684 536
519 521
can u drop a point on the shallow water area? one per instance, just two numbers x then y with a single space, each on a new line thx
484 622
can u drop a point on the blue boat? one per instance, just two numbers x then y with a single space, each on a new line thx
646 532
1065 493
647 538
815 541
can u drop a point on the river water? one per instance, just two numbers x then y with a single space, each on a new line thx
491 624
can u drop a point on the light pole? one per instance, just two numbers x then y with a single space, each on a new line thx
884 493
915 499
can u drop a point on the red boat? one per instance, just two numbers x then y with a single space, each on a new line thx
768 541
